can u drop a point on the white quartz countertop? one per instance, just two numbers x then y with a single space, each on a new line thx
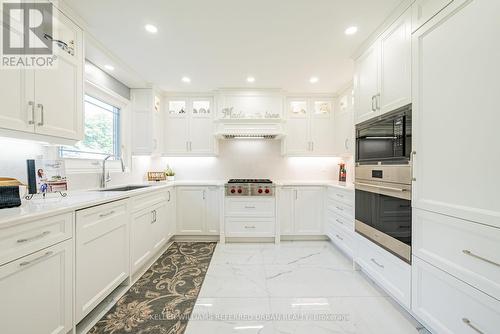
326 183
54 204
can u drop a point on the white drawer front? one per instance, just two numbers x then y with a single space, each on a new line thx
263 207
450 306
341 238
148 200
391 273
95 221
250 227
334 218
470 251
340 208
340 195
20 240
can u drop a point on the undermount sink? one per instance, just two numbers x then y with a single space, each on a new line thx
126 188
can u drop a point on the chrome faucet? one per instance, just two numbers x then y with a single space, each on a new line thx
105 179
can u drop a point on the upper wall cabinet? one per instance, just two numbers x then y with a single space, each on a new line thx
382 79
309 127
146 113
424 10
189 126
48 101
344 124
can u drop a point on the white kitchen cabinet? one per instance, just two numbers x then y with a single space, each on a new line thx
37 292
460 120
447 305
102 253
189 126
198 210
339 219
382 78
424 10
48 101
147 135
171 213
309 127
344 143
301 210
395 65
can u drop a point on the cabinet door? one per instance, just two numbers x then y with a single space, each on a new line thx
159 227
424 10
322 127
201 127
213 199
37 292
366 84
297 139
395 65
59 90
191 208
285 210
170 213
461 120
308 208
176 135
344 125
141 243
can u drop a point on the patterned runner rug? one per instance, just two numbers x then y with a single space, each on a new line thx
162 300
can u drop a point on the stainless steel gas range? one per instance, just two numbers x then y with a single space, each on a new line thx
250 187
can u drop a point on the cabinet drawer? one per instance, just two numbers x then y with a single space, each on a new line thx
340 208
95 221
341 195
339 221
148 200
20 240
343 239
469 252
447 305
424 10
391 273
263 207
250 227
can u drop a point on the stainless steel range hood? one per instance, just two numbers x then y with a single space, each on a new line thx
249 129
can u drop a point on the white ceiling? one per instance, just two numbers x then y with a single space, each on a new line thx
218 43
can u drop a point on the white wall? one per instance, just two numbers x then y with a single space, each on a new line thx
237 159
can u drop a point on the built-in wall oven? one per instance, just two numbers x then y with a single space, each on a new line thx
383 180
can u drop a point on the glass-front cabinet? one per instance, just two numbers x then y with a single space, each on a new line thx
309 123
189 126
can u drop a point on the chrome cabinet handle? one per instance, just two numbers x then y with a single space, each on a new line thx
339 208
339 221
468 252
187 146
378 264
249 207
380 187
373 101
38 236
296 194
203 194
153 213
249 227
377 100
102 215
346 143
339 237
32 105
471 325
339 195
412 161
190 146
169 196
27 263
42 121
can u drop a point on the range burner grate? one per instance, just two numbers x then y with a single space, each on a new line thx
250 181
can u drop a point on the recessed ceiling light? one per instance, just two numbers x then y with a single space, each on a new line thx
313 80
351 30
186 79
151 28
109 67
250 79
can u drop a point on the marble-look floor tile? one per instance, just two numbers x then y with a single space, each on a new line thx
238 254
228 280
316 281
231 315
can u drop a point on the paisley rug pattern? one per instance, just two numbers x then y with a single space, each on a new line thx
162 300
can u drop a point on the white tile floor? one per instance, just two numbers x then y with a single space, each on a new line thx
294 287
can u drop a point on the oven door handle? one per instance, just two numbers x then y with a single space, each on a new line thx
380 187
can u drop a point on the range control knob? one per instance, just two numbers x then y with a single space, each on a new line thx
260 190
240 191
233 191
267 190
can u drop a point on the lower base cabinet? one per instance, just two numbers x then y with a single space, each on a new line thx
447 305
198 210
301 210
37 292
102 253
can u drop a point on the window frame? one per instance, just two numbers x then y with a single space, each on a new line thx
79 165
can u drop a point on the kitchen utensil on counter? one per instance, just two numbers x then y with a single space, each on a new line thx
9 193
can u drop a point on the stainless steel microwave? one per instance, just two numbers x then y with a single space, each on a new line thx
385 139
